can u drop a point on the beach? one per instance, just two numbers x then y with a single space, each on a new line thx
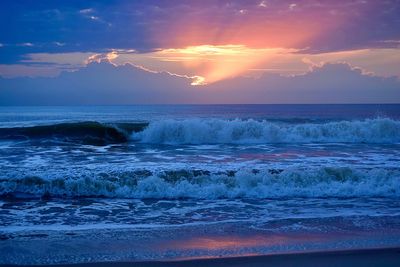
389 257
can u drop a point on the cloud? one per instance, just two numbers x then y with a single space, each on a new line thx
104 83
213 63
263 4
98 83
44 64
59 43
382 62
9 70
99 25
90 13
216 63
26 44
86 11
326 83
292 6
107 57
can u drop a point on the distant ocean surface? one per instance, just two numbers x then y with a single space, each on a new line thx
280 168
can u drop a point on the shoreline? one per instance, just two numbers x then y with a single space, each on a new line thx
205 246
383 257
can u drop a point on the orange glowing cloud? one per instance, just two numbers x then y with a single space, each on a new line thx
208 63
215 63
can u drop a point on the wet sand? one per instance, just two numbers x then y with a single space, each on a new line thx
388 257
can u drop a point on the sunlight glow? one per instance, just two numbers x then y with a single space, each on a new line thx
215 63
205 64
198 80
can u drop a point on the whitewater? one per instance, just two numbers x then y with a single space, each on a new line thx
217 131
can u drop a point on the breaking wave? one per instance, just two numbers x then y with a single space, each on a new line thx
93 133
203 184
217 131
213 131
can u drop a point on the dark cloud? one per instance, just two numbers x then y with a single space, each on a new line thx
329 83
98 83
104 83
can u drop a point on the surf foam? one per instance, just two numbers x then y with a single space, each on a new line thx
217 131
200 184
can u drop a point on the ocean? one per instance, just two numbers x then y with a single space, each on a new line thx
196 181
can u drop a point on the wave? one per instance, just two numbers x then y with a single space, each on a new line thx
217 131
93 133
203 184
213 131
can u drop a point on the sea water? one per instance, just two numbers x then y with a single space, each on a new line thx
286 177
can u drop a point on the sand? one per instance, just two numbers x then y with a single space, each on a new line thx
389 257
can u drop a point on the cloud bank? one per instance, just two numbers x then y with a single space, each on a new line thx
104 83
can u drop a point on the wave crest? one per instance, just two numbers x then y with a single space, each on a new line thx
93 133
217 131
203 184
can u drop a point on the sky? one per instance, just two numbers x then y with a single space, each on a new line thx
55 52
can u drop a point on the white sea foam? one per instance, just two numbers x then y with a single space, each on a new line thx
313 182
217 131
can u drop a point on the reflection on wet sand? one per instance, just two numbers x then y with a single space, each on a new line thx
239 245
